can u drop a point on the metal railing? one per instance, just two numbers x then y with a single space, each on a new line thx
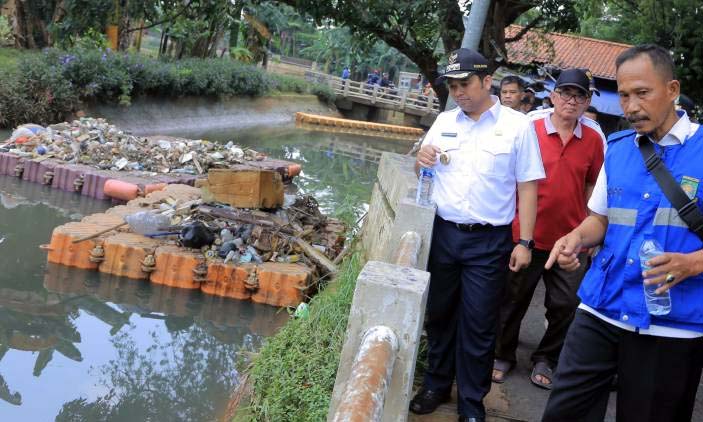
373 94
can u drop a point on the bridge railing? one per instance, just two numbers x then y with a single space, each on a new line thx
375 94
375 375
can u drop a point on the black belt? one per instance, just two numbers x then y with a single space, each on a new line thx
476 227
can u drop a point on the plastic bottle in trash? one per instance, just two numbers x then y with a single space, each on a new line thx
657 304
425 185
146 222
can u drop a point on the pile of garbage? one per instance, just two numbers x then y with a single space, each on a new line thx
297 233
95 142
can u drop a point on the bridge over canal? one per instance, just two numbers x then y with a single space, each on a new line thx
359 100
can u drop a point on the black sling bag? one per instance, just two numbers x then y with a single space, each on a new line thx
687 208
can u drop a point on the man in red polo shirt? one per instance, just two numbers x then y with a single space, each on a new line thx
572 153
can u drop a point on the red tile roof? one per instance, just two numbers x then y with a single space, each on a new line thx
564 51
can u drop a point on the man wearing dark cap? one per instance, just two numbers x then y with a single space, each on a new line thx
485 150
572 154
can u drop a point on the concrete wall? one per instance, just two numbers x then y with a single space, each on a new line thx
393 211
151 116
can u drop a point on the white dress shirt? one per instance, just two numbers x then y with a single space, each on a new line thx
598 203
488 157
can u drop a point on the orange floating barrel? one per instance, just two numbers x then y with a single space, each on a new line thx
126 255
63 251
179 267
282 284
229 280
119 189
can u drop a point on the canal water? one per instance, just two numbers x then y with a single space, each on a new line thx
80 345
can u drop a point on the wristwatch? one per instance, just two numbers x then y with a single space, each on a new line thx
529 244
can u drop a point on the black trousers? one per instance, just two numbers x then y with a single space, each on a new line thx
467 277
560 300
657 376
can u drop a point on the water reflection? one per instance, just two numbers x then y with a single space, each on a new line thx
79 345
338 168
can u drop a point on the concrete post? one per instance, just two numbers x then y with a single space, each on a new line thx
370 377
393 211
394 297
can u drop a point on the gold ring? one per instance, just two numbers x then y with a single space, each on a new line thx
670 278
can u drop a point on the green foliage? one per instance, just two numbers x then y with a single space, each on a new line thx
673 24
46 87
293 376
324 93
36 91
81 18
6 36
285 83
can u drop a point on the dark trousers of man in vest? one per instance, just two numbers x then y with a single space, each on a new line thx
560 300
468 274
657 376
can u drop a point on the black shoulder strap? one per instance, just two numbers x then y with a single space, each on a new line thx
687 208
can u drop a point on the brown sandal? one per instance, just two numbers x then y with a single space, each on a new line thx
543 370
503 366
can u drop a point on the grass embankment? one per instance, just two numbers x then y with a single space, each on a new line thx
293 376
48 86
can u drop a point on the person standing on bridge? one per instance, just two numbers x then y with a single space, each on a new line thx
486 150
572 154
656 352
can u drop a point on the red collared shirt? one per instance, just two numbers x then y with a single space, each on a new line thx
561 199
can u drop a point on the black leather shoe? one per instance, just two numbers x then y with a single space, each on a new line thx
468 419
427 401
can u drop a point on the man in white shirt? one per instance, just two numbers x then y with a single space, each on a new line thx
485 150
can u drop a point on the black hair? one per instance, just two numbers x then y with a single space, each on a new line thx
660 58
592 109
512 79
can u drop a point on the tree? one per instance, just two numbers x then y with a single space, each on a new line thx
423 30
673 24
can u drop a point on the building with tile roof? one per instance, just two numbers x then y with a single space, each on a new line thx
564 51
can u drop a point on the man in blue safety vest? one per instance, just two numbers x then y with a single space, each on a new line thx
657 356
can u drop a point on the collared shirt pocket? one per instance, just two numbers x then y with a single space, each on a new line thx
494 158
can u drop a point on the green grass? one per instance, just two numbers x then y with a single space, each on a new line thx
10 56
294 374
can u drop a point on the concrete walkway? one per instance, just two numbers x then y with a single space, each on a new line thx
518 399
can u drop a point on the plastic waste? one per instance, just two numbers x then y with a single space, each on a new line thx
26 131
146 222
254 255
425 186
232 256
226 236
196 235
302 311
227 247
657 304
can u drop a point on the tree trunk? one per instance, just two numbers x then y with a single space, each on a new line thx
124 36
236 25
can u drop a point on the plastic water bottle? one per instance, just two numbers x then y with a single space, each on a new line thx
425 184
657 304
147 222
